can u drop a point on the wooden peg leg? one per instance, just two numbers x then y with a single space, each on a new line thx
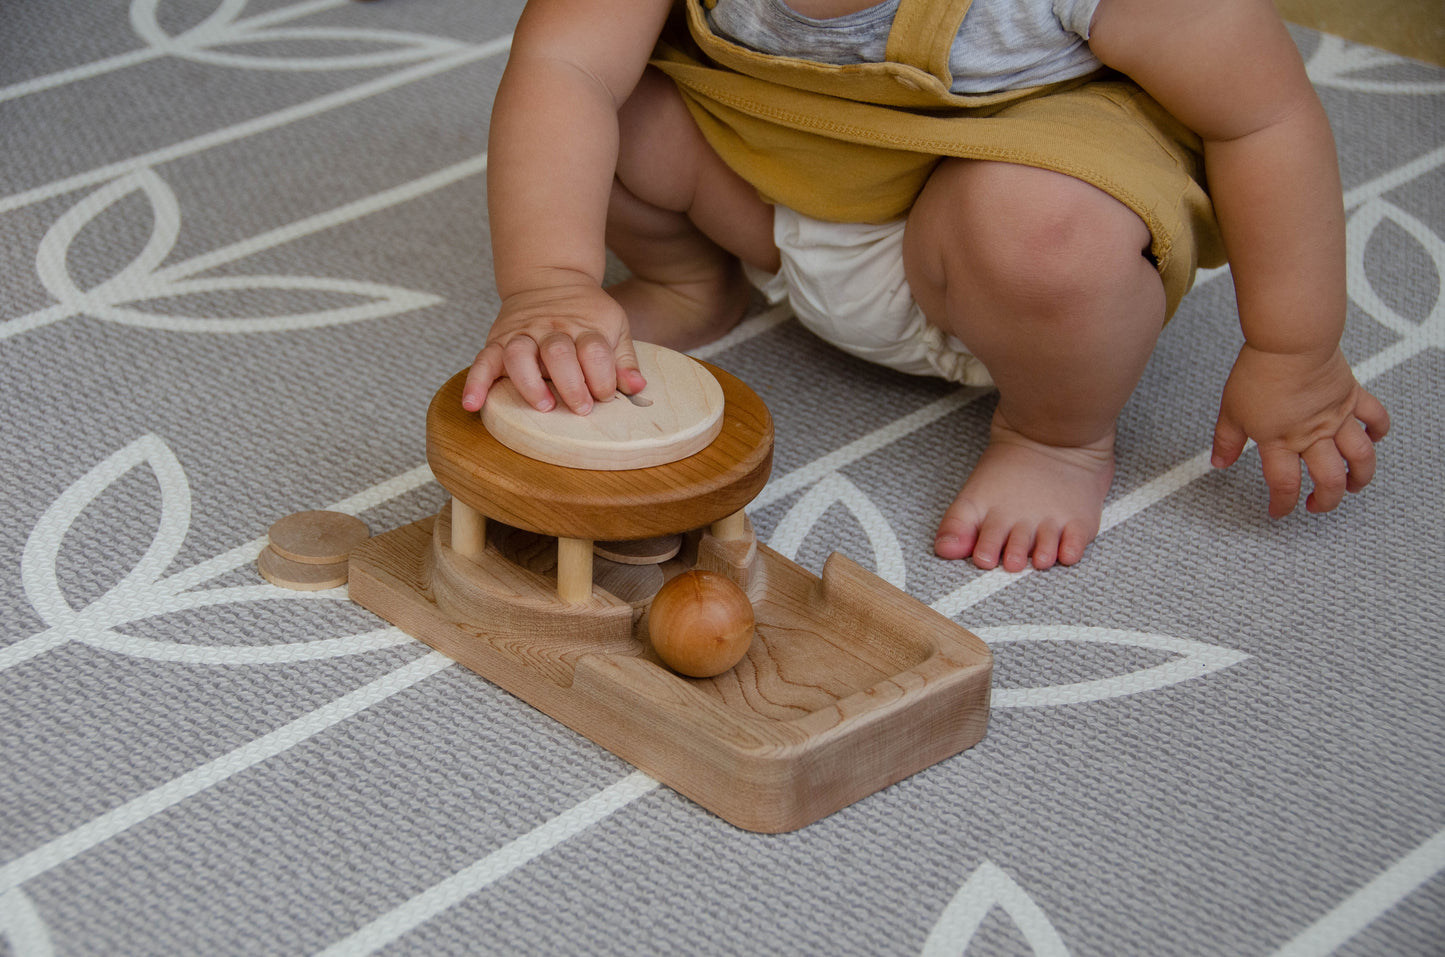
574 570
730 529
469 530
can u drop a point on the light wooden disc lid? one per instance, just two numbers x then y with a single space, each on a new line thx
678 413
317 537
716 481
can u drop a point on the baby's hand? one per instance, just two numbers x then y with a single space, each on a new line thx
1300 408
576 336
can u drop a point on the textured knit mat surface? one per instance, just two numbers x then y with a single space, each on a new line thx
243 244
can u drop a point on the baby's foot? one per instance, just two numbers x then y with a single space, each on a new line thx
1028 501
685 315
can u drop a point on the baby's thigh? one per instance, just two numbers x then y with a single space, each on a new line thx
665 161
1010 226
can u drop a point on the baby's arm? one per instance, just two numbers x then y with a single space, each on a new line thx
552 156
1229 70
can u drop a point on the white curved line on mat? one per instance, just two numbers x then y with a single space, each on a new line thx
752 326
404 918
205 42
1337 63
836 489
315 650
260 124
143 593
145 278
151 52
1357 911
381 492
1190 659
162 797
806 476
22 927
319 222
989 886
1398 176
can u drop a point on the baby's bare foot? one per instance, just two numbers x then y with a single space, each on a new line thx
684 315
1028 501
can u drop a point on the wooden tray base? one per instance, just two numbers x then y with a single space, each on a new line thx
849 686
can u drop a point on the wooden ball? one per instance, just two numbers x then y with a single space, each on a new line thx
701 624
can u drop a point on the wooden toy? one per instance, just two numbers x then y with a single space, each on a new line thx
847 686
317 537
308 551
679 413
700 623
646 551
299 576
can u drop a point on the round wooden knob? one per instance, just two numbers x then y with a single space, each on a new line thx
701 624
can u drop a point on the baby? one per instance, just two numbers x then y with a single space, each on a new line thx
1007 191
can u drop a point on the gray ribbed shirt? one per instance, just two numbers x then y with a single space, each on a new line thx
1002 45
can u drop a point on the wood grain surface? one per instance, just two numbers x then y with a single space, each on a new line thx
850 685
505 485
678 413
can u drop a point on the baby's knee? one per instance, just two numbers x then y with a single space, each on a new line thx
1025 235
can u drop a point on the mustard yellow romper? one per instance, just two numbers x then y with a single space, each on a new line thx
856 143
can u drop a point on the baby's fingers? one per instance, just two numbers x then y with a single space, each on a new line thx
1328 473
1371 411
599 365
525 370
1229 442
1358 448
486 369
1282 475
560 354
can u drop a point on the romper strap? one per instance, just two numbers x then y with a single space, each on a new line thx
923 34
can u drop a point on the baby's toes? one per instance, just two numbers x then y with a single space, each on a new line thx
1075 538
1046 545
957 532
1020 545
993 538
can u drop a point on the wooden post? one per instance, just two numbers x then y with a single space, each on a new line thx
730 529
469 530
574 570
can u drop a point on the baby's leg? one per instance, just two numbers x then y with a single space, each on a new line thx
681 220
1044 278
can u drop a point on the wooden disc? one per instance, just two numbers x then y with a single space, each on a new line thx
644 551
679 413
634 584
317 537
602 506
299 576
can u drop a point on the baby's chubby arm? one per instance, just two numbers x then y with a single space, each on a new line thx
1229 70
552 156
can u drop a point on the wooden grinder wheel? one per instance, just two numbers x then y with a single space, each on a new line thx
579 506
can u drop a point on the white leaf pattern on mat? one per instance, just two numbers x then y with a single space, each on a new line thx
1193 659
223 29
143 594
833 489
1337 63
143 278
21 926
1362 225
38 566
986 888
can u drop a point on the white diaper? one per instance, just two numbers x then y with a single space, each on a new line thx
845 282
